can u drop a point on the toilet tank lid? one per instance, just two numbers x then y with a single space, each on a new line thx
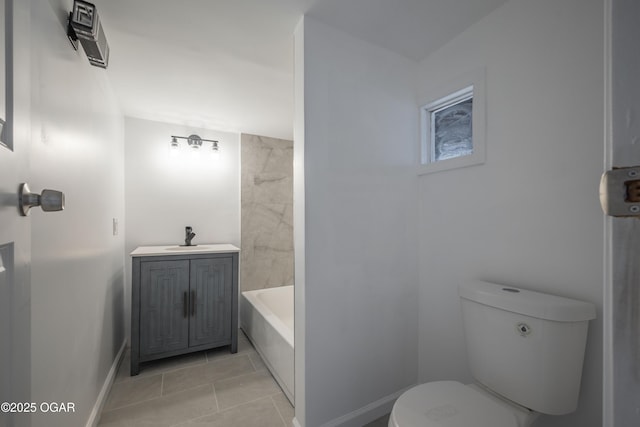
529 303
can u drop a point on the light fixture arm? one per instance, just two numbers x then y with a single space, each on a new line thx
194 142
194 137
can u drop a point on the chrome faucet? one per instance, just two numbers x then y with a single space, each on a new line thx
189 235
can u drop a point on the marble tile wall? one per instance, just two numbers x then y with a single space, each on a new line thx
266 212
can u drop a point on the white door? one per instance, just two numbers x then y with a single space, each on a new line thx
15 230
622 265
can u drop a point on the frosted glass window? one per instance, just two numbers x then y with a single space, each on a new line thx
451 130
453 124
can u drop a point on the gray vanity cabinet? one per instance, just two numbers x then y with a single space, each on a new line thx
181 304
163 288
211 301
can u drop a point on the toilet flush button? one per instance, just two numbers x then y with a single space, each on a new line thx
523 329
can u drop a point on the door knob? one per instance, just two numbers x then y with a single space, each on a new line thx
49 200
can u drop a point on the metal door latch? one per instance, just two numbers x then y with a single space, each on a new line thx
49 200
620 192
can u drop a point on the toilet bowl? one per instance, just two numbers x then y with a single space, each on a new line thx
453 404
525 349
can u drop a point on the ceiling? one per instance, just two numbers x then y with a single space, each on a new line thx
228 64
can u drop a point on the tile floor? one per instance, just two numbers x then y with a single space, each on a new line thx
211 388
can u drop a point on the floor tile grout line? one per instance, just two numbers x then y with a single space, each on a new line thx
278 410
191 420
177 368
132 404
253 364
197 362
266 396
215 396
278 393
112 393
189 364
218 411
206 360
243 375
158 398
190 367
226 356
218 380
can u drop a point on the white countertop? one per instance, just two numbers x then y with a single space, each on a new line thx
210 248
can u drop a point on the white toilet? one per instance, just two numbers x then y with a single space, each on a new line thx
525 349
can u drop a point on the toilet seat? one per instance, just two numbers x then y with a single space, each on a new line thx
449 404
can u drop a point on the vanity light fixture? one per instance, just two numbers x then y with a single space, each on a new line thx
194 142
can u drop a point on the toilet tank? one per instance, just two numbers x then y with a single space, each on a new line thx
526 346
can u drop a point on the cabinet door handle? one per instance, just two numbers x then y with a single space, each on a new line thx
185 304
193 303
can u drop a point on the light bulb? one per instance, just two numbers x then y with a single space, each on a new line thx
215 151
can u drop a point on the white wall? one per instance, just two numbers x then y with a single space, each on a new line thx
164 194
77 264
359 290
299 226
529 216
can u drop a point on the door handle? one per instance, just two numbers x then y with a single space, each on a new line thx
185 305
193 303
49 200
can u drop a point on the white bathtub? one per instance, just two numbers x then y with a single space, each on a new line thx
266 316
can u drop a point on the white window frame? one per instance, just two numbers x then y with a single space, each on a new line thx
463 88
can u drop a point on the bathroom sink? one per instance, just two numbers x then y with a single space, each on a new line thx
209 248
191 248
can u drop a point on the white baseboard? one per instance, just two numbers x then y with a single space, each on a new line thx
94 417
367 413
364 415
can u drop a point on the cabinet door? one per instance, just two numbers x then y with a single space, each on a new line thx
211 299
164 323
